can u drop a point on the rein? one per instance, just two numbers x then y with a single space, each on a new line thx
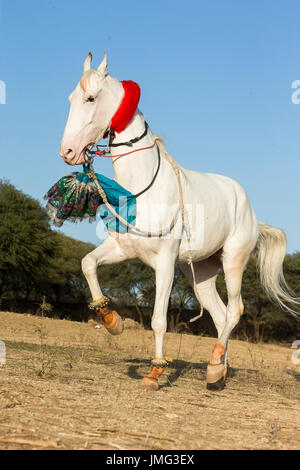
101 191
130 143
155 175
102 154
121 219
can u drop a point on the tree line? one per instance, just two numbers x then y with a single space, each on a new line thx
40 270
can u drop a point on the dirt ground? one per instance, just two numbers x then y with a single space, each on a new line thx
68 385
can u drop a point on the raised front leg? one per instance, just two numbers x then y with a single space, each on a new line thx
164 280
109 252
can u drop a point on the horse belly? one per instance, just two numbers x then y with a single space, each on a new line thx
211 218
204 242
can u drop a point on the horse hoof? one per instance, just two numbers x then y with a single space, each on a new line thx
116 326
150 383
216 386
215 376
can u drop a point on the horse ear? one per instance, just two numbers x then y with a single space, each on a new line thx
103 69
87 62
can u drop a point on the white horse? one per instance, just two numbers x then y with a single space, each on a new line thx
222 237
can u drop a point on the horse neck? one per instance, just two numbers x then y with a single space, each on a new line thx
134 171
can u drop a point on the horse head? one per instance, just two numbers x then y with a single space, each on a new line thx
93 103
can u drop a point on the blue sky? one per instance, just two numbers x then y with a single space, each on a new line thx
216 79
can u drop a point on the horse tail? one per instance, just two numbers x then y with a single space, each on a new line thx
271 254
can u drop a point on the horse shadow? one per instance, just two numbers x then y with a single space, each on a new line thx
178 369
294 374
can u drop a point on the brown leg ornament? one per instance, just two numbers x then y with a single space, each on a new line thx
216 371
110 318
151 381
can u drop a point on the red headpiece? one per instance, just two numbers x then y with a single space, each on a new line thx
127 107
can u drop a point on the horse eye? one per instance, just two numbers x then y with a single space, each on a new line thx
91 99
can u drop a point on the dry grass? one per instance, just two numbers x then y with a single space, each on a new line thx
67 385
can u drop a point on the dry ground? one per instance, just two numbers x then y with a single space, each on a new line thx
67 385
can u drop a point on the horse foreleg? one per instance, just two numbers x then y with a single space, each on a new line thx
109 252
164 280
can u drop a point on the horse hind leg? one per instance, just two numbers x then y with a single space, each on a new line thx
216 371
206 273
234 263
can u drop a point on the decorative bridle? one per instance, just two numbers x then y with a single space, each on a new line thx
110 138
104 153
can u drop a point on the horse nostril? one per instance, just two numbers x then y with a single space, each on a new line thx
67 153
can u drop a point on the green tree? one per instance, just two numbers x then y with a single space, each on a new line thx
64 280
26 241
